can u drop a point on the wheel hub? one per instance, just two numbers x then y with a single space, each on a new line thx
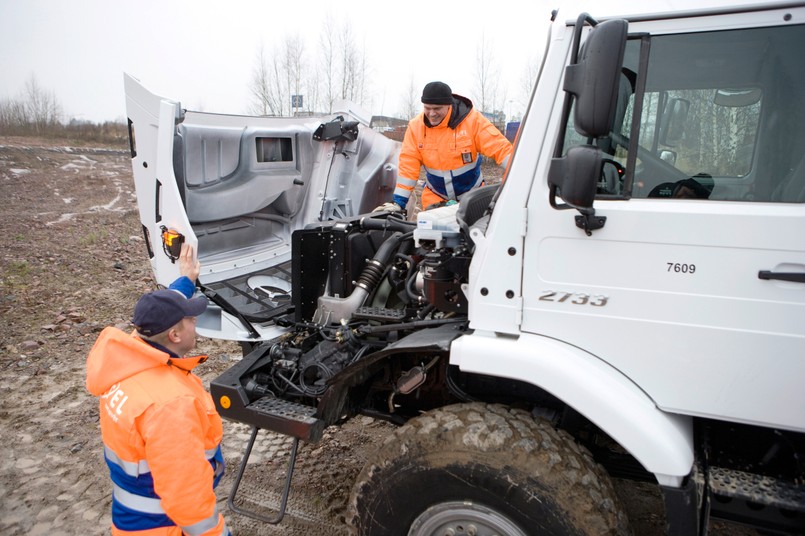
463 518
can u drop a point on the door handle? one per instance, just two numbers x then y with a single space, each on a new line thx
796 277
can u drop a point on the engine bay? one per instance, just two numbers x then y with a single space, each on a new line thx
375 302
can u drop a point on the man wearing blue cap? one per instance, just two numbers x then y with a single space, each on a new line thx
161 432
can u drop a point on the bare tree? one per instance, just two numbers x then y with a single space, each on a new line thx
349 62
312 97
362 75
486 92
13 116
35 111
327 65
294 67
278 85
42 108
261 86
527 81
347 65
410 101
341 71
267 89
275 78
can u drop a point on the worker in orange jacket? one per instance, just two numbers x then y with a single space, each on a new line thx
447 139
161 432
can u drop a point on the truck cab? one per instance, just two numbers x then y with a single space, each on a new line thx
659 247
237 187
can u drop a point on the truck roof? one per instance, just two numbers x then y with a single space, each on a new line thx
664 9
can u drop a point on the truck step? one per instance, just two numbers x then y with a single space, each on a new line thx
747 498
284 417
758 489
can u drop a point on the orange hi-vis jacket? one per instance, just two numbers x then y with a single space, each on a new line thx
161 438
450 153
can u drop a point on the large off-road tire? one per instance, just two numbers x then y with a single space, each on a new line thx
482 469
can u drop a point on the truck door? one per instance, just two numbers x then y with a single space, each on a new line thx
695 286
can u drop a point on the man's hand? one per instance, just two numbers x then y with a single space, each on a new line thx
188 262
388 207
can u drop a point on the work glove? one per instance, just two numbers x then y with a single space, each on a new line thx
388 207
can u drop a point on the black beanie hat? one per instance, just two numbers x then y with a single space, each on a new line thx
437 93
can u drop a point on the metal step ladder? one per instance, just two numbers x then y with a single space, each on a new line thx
288 418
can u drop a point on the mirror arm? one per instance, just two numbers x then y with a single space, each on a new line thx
574 59
588 221
574 51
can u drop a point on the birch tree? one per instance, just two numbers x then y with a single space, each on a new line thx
261 86
411 104
487 76
327 81
341 71
278 76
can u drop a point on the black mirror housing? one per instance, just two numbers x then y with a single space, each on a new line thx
594 79
575 176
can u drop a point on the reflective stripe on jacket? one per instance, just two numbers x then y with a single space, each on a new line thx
161 436
449 152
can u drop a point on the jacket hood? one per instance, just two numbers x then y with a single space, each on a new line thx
116 356
458 112
461 109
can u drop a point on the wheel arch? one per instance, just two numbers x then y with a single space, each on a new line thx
660 441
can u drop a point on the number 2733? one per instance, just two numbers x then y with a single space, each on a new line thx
575 298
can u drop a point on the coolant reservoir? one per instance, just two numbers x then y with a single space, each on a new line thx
437 227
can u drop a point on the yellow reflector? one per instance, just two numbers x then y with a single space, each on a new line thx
172 243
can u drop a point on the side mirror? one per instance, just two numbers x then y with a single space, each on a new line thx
574 177
595 77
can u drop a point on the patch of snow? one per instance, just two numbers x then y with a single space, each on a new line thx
108 206
62 218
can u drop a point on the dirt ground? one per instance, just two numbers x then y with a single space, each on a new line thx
72 261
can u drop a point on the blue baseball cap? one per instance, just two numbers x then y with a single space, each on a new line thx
160 310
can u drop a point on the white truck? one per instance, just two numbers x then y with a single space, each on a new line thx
629 303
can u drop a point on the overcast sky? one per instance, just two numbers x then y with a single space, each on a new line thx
202 52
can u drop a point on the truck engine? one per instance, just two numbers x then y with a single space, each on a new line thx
362 287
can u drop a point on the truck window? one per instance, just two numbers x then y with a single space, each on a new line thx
720 118
690 130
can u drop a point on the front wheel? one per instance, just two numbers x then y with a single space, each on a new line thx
482 469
